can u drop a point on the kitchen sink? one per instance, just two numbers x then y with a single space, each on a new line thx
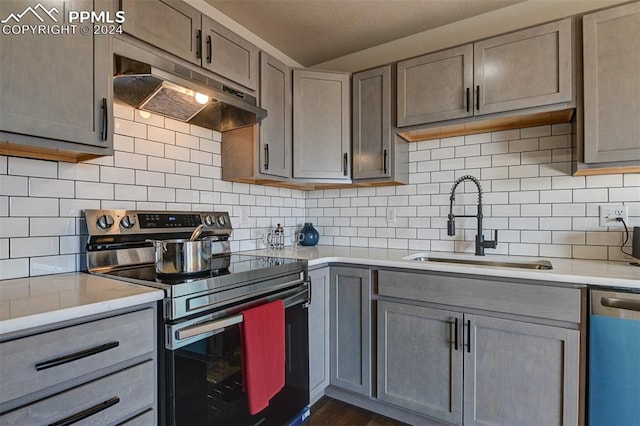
541 264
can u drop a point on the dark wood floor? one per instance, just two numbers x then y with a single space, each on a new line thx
331 412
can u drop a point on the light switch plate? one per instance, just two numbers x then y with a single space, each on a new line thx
391 215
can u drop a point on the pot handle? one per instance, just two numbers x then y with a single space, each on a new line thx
164 244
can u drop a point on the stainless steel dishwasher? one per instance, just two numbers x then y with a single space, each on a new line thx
614 358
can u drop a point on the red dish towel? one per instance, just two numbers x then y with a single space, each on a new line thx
262 341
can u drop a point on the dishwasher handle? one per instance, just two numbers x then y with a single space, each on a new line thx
620 303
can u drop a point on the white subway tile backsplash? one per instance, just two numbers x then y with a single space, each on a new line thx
524 171
534 132
14 185
180 181
18 166
14 268
3 164
505 159
130 128
4 206
92 190
555 142
187 141
166 136
505 135
555 250
117 175
147 147
577 209
79 171
36 246
51 226
149 118
590 252
132 193
123 143
11 227
568 237
624 194
52 265
161 194
129 160
28 207
157 164
4 248
177 152
442 153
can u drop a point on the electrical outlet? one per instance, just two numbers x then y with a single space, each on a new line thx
244 215
609 213
391 215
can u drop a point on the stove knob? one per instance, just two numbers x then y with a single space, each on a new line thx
208 220
222 221
127 222
104 222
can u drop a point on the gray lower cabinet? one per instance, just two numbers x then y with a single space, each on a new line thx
100 369
56 89
319 333
611 58
321 125
520 70
518 364
350 333
378 156
519 373
419 366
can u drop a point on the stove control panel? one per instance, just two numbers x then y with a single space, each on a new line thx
152 223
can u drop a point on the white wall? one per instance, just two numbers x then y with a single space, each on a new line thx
159 164
529 196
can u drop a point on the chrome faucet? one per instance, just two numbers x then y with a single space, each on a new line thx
481 244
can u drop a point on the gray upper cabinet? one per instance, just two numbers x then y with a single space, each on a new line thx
275 130
612 84
319 342
520 373
524 69
377 155
321 125
56 90
419 362
350 322
171 25
228 54
435 87
183 31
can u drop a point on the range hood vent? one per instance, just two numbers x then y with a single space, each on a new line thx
151 82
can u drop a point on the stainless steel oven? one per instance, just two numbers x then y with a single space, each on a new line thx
200 377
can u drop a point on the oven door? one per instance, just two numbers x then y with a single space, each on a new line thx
203 379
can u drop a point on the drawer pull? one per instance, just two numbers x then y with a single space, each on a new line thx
87 413
76 356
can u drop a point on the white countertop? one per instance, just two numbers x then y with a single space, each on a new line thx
36 301
585 272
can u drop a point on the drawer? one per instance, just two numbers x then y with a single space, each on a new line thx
108 400
34 363
541 301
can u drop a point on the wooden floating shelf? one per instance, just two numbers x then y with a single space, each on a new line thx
489 125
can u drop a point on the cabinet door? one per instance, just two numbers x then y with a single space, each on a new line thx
524 69
228 54
371 144
56 87
435 87
321 129
612 84
171 25
350 320
319 333
275 130
520 373
419 360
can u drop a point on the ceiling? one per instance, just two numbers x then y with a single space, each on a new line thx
315 31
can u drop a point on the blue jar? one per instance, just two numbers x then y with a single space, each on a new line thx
310 235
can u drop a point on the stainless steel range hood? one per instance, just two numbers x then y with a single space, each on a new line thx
151 81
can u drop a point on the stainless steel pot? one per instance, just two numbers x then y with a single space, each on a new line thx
182 257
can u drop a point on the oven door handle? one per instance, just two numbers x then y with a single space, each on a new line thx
289 297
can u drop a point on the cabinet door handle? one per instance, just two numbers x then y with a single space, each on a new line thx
455 334
266 156
384 161
477 98
199 44
468 336
209 50
76 356
105 119
87 413
468 95
346 165
614 302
